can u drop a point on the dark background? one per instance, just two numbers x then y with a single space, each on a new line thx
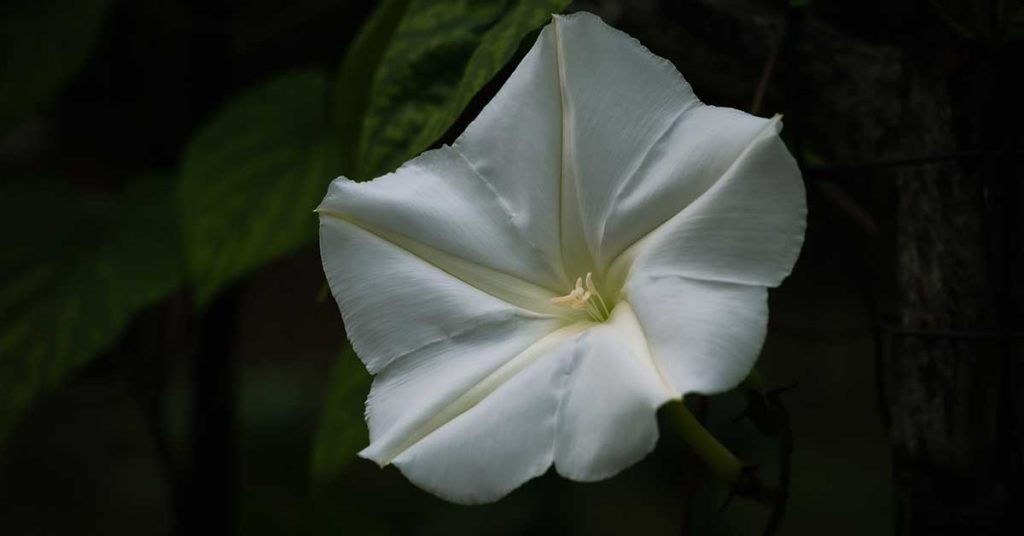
900 330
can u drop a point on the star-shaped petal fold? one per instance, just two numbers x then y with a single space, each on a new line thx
460 277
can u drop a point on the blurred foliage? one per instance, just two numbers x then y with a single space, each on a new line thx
342 431
251 178
44 44
78 294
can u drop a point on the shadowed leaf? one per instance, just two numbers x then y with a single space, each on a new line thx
351 87
441 54
45 43
252 177
73 301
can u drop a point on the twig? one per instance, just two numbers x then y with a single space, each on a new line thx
766 73
848 204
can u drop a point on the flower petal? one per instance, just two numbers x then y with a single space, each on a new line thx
747 228
515 144
608 417
396 303
618 100
499 433
416 395
438 203
431 339
584 397
688 158
704 335
568 127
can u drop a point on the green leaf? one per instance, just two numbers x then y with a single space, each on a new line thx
72 303
31 252
342 431
44 43
252 177
441 54
351 87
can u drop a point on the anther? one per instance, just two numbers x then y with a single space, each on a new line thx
579 298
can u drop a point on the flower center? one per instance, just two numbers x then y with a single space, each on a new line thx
585 297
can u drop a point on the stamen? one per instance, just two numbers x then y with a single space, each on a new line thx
579 299
600 304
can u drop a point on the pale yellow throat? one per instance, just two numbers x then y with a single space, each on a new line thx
585 297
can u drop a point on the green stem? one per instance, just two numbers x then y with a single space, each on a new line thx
718 458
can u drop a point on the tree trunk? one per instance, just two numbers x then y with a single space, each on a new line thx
942 381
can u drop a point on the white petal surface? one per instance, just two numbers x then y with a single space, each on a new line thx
699 147
503 433
418 393
584 397
608 416
631 147
395 303
515 144
438 200
704 335
574 122
618 100
746 228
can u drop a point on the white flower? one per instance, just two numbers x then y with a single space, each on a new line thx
597 243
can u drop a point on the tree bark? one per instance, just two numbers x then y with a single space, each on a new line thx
940 388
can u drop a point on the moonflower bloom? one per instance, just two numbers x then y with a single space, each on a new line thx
597 243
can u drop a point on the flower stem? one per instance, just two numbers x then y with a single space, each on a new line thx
718 458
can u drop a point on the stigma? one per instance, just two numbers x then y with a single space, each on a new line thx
585 297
